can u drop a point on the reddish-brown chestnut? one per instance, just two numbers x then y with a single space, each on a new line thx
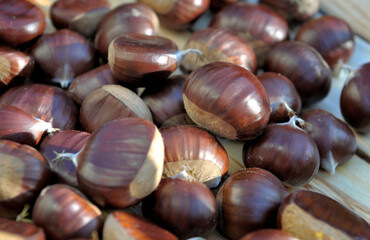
309 215
63 212
12 230
227 100
218 45
304 66
23 173
120 225
355 99
268 234
20 22
247 201
197 150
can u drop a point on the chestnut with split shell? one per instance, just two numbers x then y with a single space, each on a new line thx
10 229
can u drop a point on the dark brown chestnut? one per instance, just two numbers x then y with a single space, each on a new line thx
332 37
182 197
259 25
227 100
111 102
62 55
248 201
126 18
121 225
23 173
10 229
44 102
304 66
63 213
309 215
15 66
81 16
285 150
284 98
197 150
268 234
355 99
334 138
218 45
20 22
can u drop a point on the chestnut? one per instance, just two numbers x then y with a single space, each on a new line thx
78 15
304 66
248 201
182 197
332 37
355 100
227 100
284 98
121 225
10 229
334 138
62 55
23 173
63 213
126 18
285 150
20 22
15 66
111 102
44 102
197 150
218 45
268 234
258 25
310 215
180 119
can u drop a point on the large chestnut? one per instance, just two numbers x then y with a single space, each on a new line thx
197 150
259 25
10 229
227 100
331 37
334 138
248 201
63 212
268 234
218 45
309 215
304 66
62 55
20 22
355 99
285 150
23 173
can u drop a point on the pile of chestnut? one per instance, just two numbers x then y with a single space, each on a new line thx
99 139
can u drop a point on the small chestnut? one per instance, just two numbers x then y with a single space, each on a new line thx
268 234
10 229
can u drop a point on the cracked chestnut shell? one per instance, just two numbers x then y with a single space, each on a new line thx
10 229
227 100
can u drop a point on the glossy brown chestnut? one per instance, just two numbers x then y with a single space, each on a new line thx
62 55
248 201
14 66
20 22
44 102
355 99
23 173
70 141
331 37
285 150
284 98
182 205
294 10
304 66
334 138
268 234
218 45
308 215
121 225
111 102
10 229
82 16
259 25
126 18
218 4
180 119
197 150
63 212
227 100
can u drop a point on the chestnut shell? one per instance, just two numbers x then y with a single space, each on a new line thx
268 234
11 229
